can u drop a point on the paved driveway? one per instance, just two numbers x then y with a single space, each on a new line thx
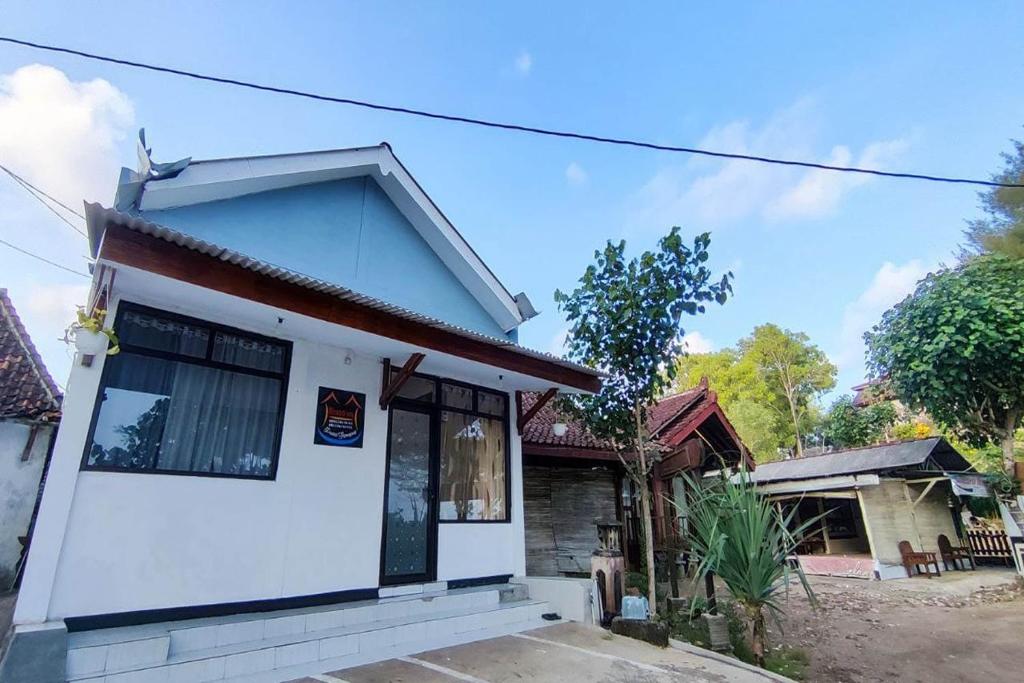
562 652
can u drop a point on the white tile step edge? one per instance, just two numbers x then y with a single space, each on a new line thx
127 648
342 643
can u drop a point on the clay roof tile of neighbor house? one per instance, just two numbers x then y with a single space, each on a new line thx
27 391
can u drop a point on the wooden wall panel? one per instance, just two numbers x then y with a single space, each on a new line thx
562 506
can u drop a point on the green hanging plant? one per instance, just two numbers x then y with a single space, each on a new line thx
83 332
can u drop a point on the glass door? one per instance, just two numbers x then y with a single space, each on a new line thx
408 554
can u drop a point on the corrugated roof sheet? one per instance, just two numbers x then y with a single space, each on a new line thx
103 216
889 456
27 390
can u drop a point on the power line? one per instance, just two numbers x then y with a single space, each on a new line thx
48 196
31 189
625 142
43 259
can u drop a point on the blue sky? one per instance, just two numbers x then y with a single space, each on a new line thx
926 87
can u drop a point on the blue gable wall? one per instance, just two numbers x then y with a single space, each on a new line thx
346 232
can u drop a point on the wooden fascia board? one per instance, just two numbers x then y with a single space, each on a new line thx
555 451
677 438
130 248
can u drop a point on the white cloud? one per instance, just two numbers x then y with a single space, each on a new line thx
576 175
819 191
62 135
890 285
66 137
524 63
712 192
695 342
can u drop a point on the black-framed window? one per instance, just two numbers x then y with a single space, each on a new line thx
473 447
186 396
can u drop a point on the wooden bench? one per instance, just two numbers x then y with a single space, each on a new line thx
917 559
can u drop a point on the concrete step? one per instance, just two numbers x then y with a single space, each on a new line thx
243 645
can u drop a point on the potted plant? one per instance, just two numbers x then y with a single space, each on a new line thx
559 427
89 335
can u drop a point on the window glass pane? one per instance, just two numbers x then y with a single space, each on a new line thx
152 332
457 397
248 352
416 388
472 468
492 404
160 414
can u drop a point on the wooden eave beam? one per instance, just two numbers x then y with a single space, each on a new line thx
391 386
127 247
522 419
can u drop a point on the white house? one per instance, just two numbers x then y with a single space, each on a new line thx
306 453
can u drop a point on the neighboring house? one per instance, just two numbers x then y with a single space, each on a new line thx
29 414
574 481
311 406
875 497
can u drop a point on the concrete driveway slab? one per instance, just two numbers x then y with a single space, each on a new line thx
561 652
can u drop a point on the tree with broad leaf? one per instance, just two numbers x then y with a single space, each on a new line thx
626 319
955 347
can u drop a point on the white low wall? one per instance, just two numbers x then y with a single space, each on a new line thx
573 599
19 484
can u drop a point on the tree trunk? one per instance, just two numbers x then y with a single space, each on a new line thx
1007 444
796 425
645 513
758 634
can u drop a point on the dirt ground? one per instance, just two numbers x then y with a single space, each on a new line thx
964 626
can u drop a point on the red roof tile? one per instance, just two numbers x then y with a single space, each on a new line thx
686 405
26 389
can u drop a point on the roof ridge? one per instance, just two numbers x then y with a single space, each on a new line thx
852 450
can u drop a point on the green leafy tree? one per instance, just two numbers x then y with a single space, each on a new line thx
1001 230
955 348
625 318
849 426
795 371
756 395
759 427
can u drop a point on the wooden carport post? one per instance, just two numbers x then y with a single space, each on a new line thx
867 526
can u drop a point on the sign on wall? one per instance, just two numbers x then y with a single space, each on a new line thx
339 418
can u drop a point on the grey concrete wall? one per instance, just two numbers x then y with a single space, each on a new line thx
888 515
892 519
19 482
933 516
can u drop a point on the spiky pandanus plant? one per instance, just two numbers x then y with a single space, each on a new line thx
742 537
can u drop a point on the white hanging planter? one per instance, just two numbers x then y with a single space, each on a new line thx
90 343
559 428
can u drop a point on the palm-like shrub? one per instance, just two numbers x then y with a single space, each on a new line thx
743 538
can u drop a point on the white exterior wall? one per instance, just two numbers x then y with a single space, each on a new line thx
19 483
138 541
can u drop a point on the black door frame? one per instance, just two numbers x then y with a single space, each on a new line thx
434 470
